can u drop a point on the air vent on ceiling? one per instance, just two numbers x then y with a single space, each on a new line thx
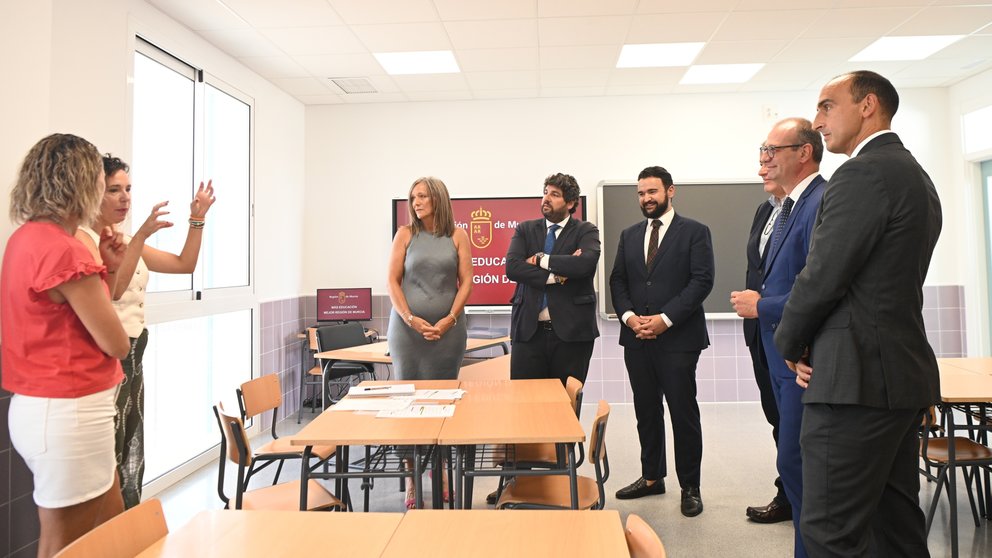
354 85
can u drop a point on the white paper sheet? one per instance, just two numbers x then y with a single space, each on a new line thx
370 404
420 411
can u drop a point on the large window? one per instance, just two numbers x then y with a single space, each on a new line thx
189 127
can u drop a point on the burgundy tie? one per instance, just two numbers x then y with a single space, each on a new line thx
653 241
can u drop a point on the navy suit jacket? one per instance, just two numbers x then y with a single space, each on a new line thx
572 305
755 266
782 265
858 303
680 279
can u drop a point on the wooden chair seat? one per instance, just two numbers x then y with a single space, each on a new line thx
281 446
550 491
315 371
286 496
965 450
535 454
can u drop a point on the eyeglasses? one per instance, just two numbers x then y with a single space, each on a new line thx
769 150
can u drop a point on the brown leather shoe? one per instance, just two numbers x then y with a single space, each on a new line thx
774 512
640 488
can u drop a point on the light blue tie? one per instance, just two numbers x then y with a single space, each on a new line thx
549 245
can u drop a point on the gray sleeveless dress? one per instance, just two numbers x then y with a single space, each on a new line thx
430 281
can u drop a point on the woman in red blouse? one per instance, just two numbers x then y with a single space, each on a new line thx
62 340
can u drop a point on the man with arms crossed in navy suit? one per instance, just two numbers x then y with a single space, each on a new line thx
791 158
553 260
662 274
853 332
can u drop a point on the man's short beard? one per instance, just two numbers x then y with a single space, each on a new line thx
659 210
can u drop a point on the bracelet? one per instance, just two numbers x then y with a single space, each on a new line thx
453 318
408 318
196 224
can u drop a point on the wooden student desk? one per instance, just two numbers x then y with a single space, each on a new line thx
497 368
962 381
515 391
376 353
344 429
510 534
509 422
264 534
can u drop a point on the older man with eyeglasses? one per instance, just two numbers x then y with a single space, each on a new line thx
790 160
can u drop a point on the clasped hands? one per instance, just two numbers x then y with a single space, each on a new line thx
432 332
803 369
647 327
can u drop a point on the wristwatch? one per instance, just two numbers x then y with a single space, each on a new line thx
537 258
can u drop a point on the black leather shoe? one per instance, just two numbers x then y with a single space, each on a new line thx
772 513
491 498
692 502
640 488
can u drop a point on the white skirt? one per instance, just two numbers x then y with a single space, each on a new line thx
67 443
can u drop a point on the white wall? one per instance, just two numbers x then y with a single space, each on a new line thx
66 69
361 156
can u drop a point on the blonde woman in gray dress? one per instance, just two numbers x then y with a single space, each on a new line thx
430 279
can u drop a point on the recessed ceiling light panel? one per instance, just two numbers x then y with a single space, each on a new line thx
422 62
904 48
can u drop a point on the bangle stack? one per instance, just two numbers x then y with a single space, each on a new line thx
453 318
197 222
408 318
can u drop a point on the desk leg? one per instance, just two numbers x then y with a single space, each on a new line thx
952 489
506 350
456 488
437 502
304 477
416 480
469 480
573 481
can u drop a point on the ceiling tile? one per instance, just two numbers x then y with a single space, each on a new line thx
574 78
284 13
646 76
638 89
314 40
503 33
667 6
567 31
439 95
977 47
431 82
275 66
791 72
551 92
673 28
403 37
340 65
785 85
497 59
320 99
506 93
579 57
946 21
241 43
199 15
739 52
356 12
744 26
502 80
302 86
707 88
382 84
574 8
860 22
822 50
461 10
897 3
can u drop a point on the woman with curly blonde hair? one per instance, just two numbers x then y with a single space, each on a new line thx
62 340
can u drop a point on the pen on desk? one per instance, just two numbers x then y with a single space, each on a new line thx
373 388
421 409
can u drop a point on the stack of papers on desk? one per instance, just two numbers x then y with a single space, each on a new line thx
370 404
381 391
419 411
444 394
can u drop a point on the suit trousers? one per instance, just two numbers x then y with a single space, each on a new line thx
655 376
547 356
862 481
789 397
768 405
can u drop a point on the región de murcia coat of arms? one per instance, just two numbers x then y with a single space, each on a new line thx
481 229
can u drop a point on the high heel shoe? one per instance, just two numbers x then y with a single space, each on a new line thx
411 499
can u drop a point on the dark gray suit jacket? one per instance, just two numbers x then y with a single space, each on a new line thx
573 305
858 303
680 279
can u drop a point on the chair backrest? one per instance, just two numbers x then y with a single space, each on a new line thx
233 435
312 338
260 395
597 442
340 336
642 541
573 387
122 536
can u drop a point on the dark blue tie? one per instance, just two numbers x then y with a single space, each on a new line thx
780 223
549 246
